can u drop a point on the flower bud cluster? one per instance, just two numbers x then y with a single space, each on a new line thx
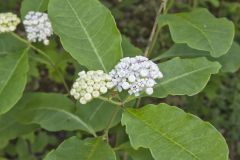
38 27
135 74
8 22
91 85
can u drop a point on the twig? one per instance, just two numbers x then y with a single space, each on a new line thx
110 101
114 114
138 102
155 30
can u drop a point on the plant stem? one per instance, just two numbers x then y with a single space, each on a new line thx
110 101
138 102
128 99
106 131
44 55
154 33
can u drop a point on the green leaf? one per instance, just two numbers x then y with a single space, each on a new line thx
53 112
41 141
229 61
170 133
13 71
184 76
87 31
182 50
129 50
76 149
22 149
98 114
9 44
200 30
140 154
33 5
10 128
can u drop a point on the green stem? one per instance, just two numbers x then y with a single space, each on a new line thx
44 55
106 131
155 30
128 99
110 101
138 102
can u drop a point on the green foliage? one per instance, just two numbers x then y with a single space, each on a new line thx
46 123
52 112
200 30
33 5
140 154
176 135
14 67
129 50
185 76
9 44
76 149
87 31
12 128
98 113
182 50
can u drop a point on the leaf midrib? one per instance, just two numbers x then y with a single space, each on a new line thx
88 36
95 111
40 5
13 70
164 135
90 130
93 149
183 75
199 29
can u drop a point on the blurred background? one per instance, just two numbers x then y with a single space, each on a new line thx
219 103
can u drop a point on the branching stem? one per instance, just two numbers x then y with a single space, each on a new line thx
155 30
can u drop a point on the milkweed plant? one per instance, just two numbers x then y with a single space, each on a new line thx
102 107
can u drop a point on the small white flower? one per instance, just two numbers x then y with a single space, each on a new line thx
110 85
131 78
149 91
38 27
135 74
88 96
95 94
144 72
8 22
83 100
125 85
90 85
103 90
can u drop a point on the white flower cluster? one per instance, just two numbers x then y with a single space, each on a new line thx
8 22
91 85
38 27
135 75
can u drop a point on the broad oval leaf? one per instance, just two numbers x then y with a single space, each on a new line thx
183 51
88 149
170 133
53 112
140 154
229 61
9 44
33 5
200 30
129 50
87 31
98 114
184 76
13 71
10 128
